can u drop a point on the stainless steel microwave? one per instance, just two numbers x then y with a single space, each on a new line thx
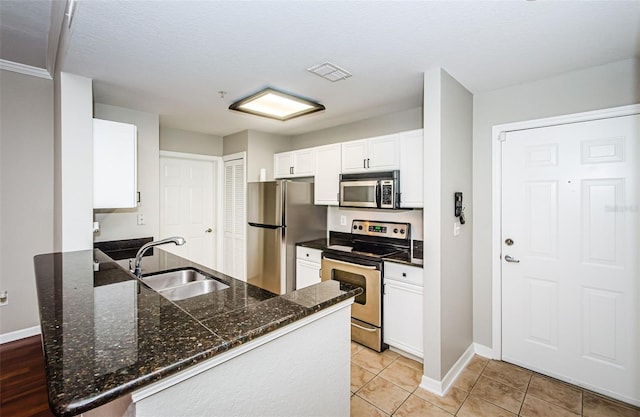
371 190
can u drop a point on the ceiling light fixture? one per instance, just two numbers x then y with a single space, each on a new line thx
276 105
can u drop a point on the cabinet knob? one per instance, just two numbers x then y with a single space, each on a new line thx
404 274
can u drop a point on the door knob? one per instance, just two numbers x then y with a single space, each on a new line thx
209 230
509 258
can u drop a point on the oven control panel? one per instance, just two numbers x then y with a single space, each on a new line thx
382 229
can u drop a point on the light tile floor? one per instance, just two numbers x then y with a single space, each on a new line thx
386 384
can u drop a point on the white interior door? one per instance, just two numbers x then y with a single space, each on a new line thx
570 305
187 189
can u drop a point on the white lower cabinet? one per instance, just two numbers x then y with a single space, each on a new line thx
402 308
307 266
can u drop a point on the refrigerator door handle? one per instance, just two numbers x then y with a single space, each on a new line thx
265 226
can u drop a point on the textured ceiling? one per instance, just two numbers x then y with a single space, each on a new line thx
172 57
24 31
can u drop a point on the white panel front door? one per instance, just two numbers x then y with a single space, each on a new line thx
186 207
570 306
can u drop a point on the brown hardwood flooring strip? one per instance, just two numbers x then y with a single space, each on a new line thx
23 389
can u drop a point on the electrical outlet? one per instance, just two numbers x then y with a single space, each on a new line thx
140 219
343 220
4 298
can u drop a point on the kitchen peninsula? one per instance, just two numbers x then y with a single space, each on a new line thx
114 346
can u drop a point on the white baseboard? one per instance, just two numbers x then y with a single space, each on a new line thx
442 387
19 334
484 351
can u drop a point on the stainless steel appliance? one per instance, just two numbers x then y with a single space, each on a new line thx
359 261
280 213
373 190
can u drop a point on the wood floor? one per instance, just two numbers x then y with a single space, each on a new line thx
23 389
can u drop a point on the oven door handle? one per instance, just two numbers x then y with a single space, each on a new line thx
363 328
352 264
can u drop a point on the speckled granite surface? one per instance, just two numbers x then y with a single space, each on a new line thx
105 334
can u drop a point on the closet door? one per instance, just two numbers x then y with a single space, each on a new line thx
234 263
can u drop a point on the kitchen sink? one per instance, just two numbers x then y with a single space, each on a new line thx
183 283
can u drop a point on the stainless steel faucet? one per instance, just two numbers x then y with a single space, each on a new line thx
176 239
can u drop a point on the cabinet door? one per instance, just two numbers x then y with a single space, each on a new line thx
114 164
303 163
403 316
307 273
327 176
383 153
354 156
411 168
283 165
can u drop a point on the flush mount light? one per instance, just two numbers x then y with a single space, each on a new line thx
276 105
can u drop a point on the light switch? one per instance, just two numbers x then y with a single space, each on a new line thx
456 228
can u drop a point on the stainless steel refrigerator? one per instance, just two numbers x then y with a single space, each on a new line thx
280 214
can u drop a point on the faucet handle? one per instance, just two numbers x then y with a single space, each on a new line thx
130 265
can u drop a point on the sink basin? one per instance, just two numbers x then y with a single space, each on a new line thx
172 279
193 289
183 283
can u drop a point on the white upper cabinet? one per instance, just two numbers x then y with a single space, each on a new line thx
114 164
294 164
327 178
411 169
373 154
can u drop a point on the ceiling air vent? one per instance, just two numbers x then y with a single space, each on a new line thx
330 71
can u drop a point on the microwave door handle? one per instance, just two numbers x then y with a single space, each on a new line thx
378 194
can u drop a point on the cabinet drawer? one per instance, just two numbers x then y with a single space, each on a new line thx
405 273
309 254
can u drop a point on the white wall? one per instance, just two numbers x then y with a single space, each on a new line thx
26 192
404 216
448 115
456 251
178 140
73 163
260 152
118 224
611 85
389 123
235 143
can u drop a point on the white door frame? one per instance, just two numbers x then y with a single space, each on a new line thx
498 134
218 184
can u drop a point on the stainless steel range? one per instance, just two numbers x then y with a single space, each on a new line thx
359 261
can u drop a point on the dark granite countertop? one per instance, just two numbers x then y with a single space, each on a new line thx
320 244
404 258
106 334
